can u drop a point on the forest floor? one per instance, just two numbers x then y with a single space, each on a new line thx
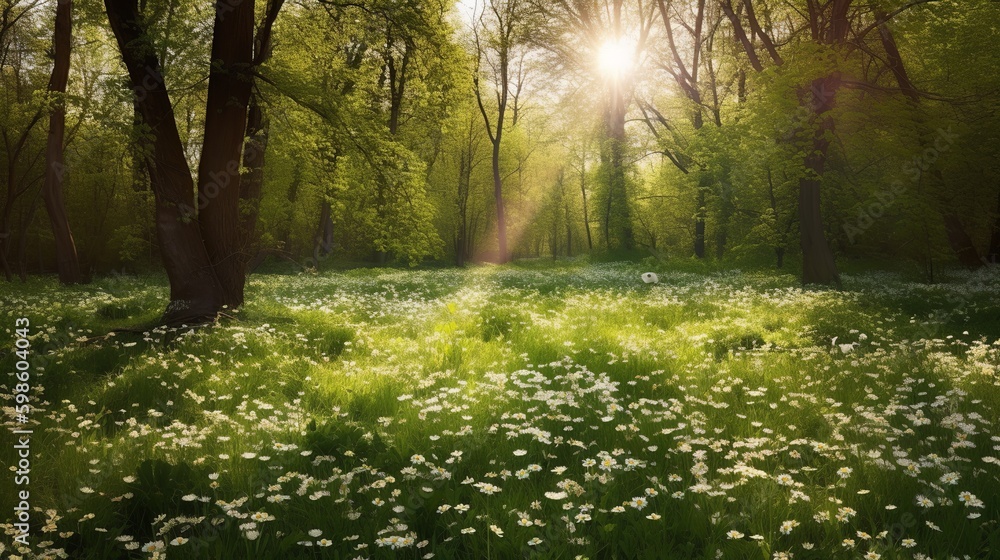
509 412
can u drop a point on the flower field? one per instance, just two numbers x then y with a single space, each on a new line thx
514 412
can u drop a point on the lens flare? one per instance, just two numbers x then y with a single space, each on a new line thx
615 58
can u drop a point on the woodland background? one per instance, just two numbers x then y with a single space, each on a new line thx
392 132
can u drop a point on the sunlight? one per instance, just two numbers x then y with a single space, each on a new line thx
615 58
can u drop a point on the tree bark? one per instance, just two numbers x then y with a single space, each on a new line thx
619 233
67 261
741 35
586 212
465 165
251 187
818 265
219 178
195 292
323 244
765 39
255 149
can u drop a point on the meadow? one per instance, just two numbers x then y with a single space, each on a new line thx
523 411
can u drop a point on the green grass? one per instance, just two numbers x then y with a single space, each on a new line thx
345 412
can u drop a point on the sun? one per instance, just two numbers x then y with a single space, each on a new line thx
615 58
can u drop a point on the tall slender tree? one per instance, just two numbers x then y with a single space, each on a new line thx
499 33
52 188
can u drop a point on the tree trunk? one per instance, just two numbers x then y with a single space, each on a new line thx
52 189
252 185
229 88
619 233
255 148
829 24
323 244
195 292
569 232
586 211
818 265
503 255
618 219
741 35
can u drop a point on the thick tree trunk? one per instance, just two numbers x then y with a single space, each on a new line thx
818 265
229 88
616 220
67 261
195 292
829 24
323 243
619 233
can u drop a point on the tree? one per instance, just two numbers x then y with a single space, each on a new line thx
958 237
20 116
828 24
66 257
200 235
686 77
499 33
602 53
